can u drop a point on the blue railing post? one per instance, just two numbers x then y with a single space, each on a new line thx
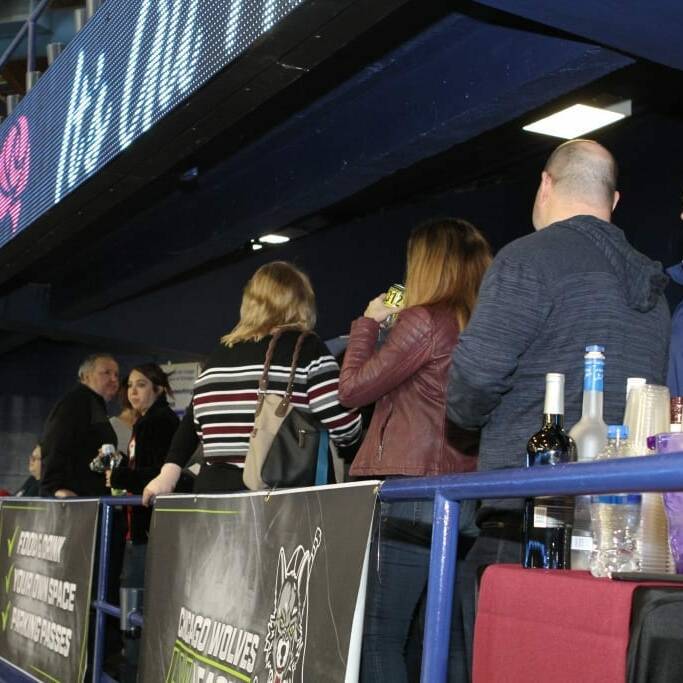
102 577
440 589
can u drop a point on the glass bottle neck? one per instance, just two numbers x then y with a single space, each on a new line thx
553 420
592 404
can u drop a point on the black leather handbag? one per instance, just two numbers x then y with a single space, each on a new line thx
293 455
283 447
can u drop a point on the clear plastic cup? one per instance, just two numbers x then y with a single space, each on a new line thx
672 442
647 413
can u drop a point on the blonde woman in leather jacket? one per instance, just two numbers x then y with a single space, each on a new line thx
409 435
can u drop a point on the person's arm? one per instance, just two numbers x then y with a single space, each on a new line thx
61 433
182 447
510 312
674 378
185 440
367 374
322 388
164 482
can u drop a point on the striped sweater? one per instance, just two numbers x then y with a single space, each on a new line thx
221 414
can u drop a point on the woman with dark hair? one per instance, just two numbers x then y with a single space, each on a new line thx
409 434
277 300
153 431
123 423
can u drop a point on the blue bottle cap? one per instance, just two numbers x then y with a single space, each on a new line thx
595 348
614 431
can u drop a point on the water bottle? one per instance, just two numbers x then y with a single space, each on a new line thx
108 451
615 518
590 436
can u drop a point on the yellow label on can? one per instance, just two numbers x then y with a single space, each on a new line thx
395 296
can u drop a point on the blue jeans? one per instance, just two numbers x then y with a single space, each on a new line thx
397 583
486 551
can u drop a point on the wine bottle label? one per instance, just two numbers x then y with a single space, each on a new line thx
582 542
544 520
553 513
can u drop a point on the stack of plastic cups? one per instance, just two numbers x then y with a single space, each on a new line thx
647 414
673 501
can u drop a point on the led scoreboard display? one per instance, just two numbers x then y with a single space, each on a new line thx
135 61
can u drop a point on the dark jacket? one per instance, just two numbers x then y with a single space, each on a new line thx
30 488
75 429
545 297
152 435
674 376
406 376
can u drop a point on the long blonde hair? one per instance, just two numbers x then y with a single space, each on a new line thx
277 295
447 259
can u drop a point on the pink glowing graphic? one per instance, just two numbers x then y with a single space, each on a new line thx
15 164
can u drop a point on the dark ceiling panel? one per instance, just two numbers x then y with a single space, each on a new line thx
650 29
454 81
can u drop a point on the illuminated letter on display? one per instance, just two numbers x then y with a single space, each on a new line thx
81 152
169 65
232 26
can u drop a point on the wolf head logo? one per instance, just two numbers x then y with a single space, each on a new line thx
286 639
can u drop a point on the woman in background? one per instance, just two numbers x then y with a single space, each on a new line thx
153 431
123 423
409 434
279 299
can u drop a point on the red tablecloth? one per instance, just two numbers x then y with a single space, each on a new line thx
551 625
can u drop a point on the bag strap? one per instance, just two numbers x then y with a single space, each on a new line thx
322 464
281 410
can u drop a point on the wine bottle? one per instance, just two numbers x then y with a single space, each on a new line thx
546 538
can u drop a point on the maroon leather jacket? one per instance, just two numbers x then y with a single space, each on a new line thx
407 376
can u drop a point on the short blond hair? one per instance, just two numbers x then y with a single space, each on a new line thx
447 259
277 295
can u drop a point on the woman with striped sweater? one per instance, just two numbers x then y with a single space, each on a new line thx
221 415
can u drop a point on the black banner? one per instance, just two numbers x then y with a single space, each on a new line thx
46 563
256 587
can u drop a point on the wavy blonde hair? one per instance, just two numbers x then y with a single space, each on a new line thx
277 295
447 259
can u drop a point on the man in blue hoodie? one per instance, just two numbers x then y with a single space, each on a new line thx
575 281
674 377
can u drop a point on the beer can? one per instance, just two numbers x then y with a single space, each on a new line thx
394 298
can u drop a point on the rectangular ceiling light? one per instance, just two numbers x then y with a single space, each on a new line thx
580 119
273 239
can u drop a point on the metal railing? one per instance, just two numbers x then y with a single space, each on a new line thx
100 605
641 474
28 30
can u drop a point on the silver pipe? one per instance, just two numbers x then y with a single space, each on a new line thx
11 102
31 79
91 6
53 51
80 18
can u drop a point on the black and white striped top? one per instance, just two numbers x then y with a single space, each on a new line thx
225 394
